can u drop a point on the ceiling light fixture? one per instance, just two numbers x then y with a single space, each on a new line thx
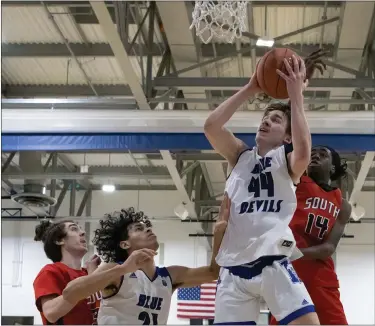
265 42
108 188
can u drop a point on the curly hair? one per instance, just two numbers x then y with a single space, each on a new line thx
51 233
113 229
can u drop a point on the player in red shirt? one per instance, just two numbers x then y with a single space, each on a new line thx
318 224
65 244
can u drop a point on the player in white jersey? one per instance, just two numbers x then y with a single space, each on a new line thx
258 244
134 290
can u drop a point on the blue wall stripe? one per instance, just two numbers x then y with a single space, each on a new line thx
158 141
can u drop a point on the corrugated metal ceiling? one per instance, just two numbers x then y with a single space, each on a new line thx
30 24
281 20
63 70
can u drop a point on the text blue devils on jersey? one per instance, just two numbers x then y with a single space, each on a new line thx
263 202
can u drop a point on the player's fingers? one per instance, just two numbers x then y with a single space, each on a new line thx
317 54
144 257
149 251
320 68
320 62
295 64
288 68
302 69
314 53
282 75
305 84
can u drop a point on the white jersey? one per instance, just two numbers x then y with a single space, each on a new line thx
139 300
263 203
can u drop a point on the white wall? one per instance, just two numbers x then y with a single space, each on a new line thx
18 246
355 270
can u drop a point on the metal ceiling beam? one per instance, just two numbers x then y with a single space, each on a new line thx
121 187
130 172
249 48
327 62
79 49
186 201
110 32
213 100
361 177
16 3
170 163
64 103
129 103
10 91
72 54
84 4
105 50
234 82
307 28
65 160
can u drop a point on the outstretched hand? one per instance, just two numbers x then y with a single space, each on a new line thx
138 258
222 221
296 81
314 61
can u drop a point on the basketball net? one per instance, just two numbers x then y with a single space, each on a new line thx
222 20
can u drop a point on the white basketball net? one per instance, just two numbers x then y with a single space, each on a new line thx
222 20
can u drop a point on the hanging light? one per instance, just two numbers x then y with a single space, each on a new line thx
108 188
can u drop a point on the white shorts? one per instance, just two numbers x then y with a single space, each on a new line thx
273 278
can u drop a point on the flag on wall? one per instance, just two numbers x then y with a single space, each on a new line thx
197 302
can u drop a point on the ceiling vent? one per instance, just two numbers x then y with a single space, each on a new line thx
33 194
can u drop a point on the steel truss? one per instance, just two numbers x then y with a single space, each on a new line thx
166 86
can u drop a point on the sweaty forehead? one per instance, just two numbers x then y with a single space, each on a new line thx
320 149
70 225
275 113
135 225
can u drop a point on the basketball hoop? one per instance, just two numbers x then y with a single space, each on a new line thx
223 20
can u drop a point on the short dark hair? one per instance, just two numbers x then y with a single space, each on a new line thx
113 229
338 163
286 109
51 233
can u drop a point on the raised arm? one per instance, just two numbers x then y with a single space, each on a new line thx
221 139
190 277
299 158
327 248
84 286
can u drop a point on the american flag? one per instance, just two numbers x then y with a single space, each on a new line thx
197 302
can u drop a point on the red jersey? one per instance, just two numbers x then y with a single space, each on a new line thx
313 220
52 280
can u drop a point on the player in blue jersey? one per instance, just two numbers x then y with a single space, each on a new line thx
258 244
135 291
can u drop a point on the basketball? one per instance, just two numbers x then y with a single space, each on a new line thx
269 80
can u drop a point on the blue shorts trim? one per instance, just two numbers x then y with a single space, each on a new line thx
298 313
255 268
237 323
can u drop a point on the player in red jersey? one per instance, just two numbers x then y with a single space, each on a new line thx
318 224
65 244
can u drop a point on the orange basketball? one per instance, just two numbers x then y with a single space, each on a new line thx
269 81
